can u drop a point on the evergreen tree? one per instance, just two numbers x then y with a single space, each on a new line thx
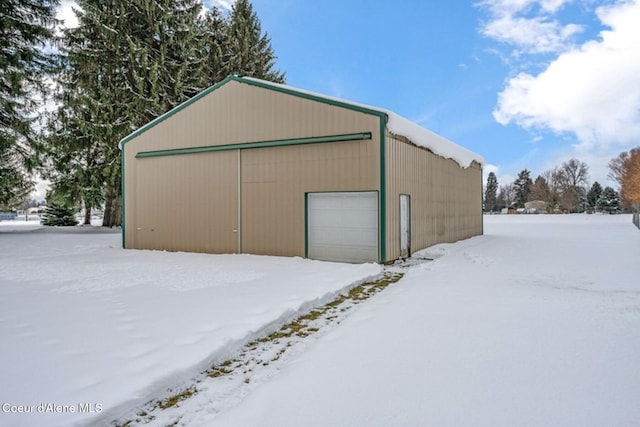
25 27
522 186
249 52
490 193
125 64
593 195
14 185
215 47
58 215
609 200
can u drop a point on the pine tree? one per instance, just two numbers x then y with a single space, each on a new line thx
25 27
609 200
593 195
125 64
58 215
490 193
215 46
522 186
14 185
249 52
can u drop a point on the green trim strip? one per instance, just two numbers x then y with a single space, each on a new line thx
306 225
276 87
383 189
260 144
122 200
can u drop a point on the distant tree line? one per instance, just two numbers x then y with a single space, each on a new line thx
566 188
126 63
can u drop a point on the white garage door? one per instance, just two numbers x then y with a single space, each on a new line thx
343 226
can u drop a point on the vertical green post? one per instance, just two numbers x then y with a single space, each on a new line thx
122 210
383 189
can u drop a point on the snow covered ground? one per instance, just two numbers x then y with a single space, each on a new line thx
535 323
90 330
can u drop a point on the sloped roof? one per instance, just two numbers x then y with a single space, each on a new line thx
396 124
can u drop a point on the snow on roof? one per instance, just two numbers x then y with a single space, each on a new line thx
398 125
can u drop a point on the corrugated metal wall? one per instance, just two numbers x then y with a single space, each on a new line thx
240 113
274 183
446 200
190 200
184 203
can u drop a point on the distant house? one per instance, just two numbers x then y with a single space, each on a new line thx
535 206
249 166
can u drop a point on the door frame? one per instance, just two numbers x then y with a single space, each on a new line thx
404 223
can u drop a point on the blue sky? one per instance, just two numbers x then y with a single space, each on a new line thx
524 83
480 73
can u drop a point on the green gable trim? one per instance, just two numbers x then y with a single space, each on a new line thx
259 144
173 111
310 96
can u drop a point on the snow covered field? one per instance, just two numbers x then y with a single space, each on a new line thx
535 323
90 328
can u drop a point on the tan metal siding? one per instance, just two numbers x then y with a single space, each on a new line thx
446 200
184 203
275 180
240 113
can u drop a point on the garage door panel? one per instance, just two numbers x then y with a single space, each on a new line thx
343 226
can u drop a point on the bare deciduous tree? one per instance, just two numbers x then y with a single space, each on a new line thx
573 180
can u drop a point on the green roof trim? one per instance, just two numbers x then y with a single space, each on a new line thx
310 96
258 144
173 111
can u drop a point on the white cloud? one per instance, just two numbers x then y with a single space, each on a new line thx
531 35
591 91
528 25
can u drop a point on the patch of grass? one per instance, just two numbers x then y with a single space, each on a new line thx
216 371
177 398
336 302
300 327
